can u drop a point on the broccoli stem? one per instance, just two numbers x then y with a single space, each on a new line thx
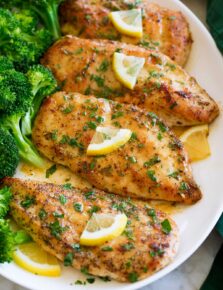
26 151
50 18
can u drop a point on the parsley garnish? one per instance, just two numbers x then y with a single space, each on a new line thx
154 160
62 199
42 214
107 249
28 201
68 259
133 277
151 175
51 170
78 207
166 226
56 229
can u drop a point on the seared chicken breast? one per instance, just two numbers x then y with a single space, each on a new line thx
85 66
146 245
152 165
163 29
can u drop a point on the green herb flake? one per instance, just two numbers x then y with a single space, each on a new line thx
174 174
62 199
133 277
166 226
56 229
84 270
68 109
159 136
51 170
117 115
128 246
68 259
132 159
78 207
154 160
92 125
105 279
151 212
90 280
67 186
93 209
79 282
58 215
99 80
107 249
151 175
89 194
54 135
103 66
28 201
183 186
42 214
76 247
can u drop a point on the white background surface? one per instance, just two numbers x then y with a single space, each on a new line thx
191 274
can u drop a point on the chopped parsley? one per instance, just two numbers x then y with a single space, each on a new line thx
89 194
103 66
56 229
78 51
154 160
62 199
99 80
151 175
78 207
117 115
68 109
133 277
132 159
68 186
128 246
107 249
54 135
76 247
166 226
183 186
51 170
28 201
68 259
174 174
93 209
42 214
90 280
58 215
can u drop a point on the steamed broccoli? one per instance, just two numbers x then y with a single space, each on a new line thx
9 154
22 41
8 238
46 9
16 86
43 84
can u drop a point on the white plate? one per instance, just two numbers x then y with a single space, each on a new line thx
195 222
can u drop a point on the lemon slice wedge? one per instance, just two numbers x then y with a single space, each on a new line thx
108 139
127 68
34 259
102 228
196 142
128 22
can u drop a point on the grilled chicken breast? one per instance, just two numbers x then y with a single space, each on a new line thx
152 165
144 247
85 66
163 29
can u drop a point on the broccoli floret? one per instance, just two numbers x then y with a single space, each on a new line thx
8 238
5 198
43 84
15 91
10 117
9 154
46 9
7 243
21 41
28 20
5 64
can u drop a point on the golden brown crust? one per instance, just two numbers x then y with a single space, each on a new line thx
149 248
162 87
155 148
163 29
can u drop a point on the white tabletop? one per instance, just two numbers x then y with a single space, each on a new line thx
191 274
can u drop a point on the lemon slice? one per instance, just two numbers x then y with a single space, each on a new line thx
102 228
34 259
127 68
107 139
196 142
128 22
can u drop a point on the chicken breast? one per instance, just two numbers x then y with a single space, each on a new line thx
163 29
148 243
152 165
85 66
